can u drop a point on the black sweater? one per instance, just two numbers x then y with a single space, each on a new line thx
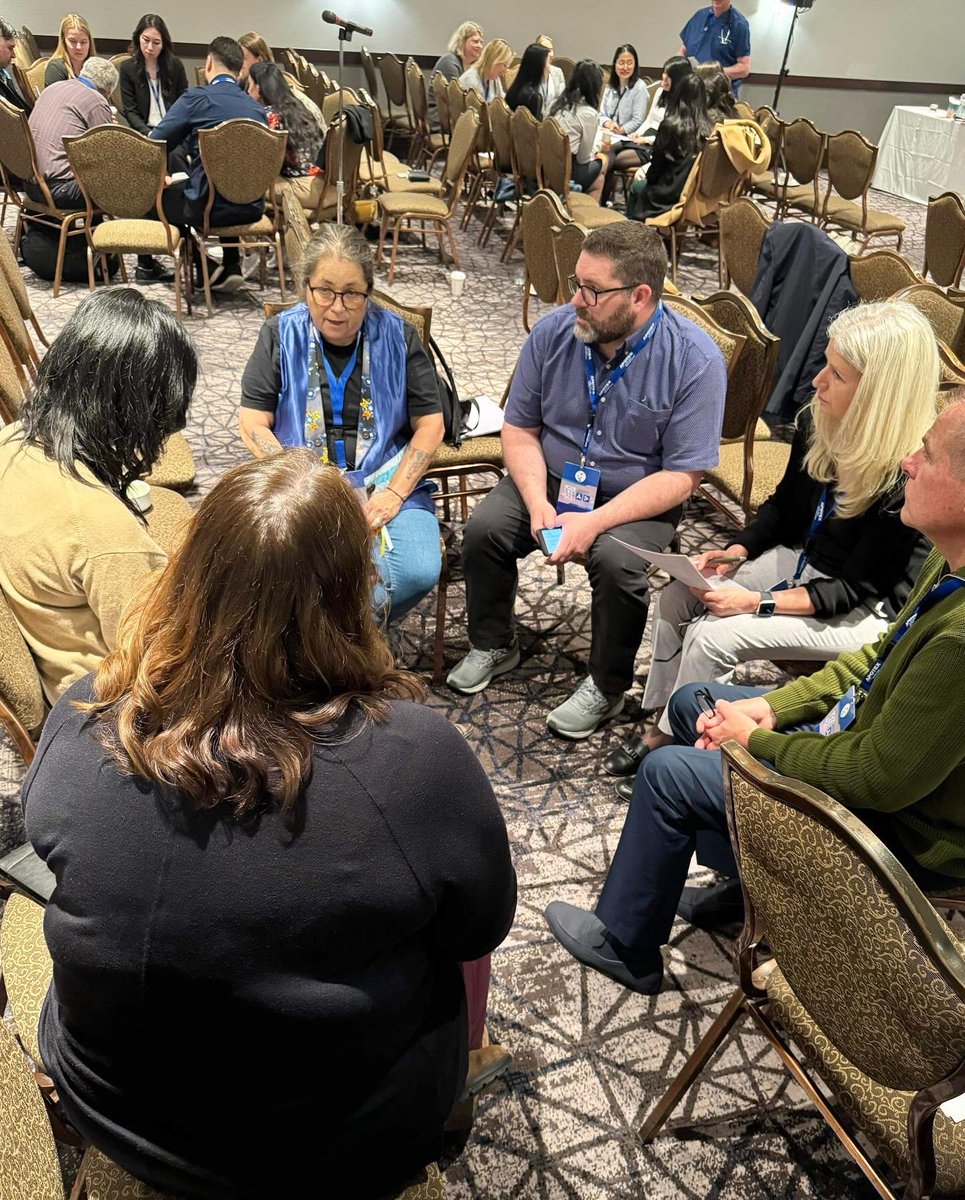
862 560
238 1008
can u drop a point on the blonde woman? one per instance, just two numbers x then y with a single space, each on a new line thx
486 77
255 49
826 563
75 45
463 51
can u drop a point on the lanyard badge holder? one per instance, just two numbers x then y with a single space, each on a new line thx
823 512
580 483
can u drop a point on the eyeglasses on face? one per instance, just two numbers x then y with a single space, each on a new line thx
325 297
591 295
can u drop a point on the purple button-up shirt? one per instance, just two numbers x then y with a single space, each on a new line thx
665 414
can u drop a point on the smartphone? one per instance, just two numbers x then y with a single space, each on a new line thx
549 539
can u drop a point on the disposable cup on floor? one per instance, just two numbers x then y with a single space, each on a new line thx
457 281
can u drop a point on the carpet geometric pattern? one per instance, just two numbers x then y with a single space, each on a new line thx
590 1058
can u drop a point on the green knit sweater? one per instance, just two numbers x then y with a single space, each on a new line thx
904 756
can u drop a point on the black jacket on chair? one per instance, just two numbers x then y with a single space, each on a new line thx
136 93
9 93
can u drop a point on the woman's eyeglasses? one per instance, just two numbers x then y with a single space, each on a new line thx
326 297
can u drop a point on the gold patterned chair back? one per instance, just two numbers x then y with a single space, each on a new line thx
440 93
121 170
31 77
803 146
29 43
499 126
14 277
851 162
419 316
16 143
242 159
743 225
11 391
298 233
524 129
418 95
330 103
862 949
461 147
946 315
541 213
555 157
371 75
22 705
945 239
880 274
568 242
456 94
393 79
566 65
29 1166
14 332
729 344
27 967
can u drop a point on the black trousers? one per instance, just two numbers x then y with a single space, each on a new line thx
498 535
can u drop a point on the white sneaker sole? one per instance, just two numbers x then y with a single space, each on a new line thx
509 664
574 736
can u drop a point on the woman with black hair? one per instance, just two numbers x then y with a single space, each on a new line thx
720 95
679 140
526 90
74 549
267 85
577 111
153 77
624 105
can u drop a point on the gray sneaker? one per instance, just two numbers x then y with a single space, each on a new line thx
478 668
584 712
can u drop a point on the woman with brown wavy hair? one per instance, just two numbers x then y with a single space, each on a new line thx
270 861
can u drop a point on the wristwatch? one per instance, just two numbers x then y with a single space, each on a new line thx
767 605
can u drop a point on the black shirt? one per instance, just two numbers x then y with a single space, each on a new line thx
866 558
261 382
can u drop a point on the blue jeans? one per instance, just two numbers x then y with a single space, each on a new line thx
410 570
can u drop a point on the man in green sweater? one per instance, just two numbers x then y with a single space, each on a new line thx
878 729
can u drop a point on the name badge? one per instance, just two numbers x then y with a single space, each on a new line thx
841 716
578 488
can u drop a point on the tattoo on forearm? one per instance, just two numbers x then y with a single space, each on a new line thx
265 442
414 464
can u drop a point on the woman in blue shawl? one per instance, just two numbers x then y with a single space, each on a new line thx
351 381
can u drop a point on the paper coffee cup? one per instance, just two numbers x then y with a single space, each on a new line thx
139 494
457 281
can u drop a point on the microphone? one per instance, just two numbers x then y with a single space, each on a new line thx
331 18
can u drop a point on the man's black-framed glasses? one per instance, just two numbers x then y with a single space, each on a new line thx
591 295
325 297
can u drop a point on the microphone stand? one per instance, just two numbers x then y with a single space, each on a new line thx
344 35
787 54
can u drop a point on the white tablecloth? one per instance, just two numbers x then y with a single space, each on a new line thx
921 154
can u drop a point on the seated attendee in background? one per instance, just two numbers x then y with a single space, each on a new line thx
463 51
555 83
351 381
9 88
624 104
251 814
526 90
151 80
577 111
67 109
674 69
890 749
684 129
485 77
719 34
75 45
827 563
203 108
266 84
721 104
74 551
254 49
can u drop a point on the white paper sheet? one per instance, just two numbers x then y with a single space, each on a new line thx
678 566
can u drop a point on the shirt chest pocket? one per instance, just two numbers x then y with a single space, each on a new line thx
640 426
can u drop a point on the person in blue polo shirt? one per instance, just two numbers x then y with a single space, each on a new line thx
720 34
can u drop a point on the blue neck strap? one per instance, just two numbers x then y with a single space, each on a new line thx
944 587
823 512
336 391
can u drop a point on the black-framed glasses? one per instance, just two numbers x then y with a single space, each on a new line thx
591 295
325 297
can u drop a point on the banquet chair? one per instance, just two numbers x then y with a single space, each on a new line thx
427 145
325 208
23 709
542 213
945 240
729 343
440 96
567 66
371 74
502 163
19 158
481 173
568 239
880 274
393 82
382 169
403 209
341 97
524 150
11 272
554 165
745 111
803 153
122 175
30 77
242 161
866 988
26 39
769 184
750 464
456 95
11 383
743 224
947 315
851 162
15 334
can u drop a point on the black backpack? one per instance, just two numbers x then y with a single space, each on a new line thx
454 410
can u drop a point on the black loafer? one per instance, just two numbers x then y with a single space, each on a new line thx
713 908
585 936
625 789
626 758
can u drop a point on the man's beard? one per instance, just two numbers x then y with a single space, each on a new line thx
592 332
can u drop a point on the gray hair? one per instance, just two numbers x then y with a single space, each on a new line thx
7 31
342 242
101 73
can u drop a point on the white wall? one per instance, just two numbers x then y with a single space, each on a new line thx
868 39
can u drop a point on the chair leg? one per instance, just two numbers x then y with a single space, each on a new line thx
526 302
40 333
90 269
280 258
452 246
709 1043
61 251
205 279
177 281
383 226
510 248
395 247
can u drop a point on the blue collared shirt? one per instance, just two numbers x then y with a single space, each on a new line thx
722 39
665 414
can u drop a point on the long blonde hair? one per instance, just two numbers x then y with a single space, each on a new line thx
72 21
893 346
495 52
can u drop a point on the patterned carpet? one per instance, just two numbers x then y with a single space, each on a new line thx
590 1059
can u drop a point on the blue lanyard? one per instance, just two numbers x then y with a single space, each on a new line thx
616 108
155 86
823 512
336 391
944 587
223 79
86 82
596 397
